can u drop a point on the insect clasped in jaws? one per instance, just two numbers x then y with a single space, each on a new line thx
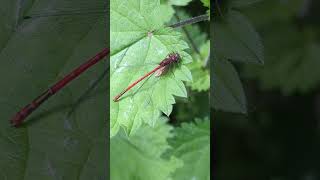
172 58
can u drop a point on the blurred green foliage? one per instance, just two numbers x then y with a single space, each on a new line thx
291 38
278 139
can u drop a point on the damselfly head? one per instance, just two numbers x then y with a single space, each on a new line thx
175 57
170 59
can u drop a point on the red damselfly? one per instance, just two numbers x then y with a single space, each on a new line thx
159 70
77 19
28 109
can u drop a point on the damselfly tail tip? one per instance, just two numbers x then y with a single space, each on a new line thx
16 120
19 117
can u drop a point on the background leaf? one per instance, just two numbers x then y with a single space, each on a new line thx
227 91
170 4
191 143
141 154
285 94
295 64
201 75
206 3
236 39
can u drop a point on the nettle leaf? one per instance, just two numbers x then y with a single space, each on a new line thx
236 39
140 155
201 75
65 138
227 91
191 144
138 43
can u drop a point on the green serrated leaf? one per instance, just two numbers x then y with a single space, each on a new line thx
227 89
141 154
138 42
235 39
191 144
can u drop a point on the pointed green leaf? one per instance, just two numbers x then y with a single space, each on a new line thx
235 38
227 91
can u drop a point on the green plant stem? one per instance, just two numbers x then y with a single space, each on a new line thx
188 36
204 17
218 8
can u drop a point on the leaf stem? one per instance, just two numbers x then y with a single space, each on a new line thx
218 8
188 36
204 17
